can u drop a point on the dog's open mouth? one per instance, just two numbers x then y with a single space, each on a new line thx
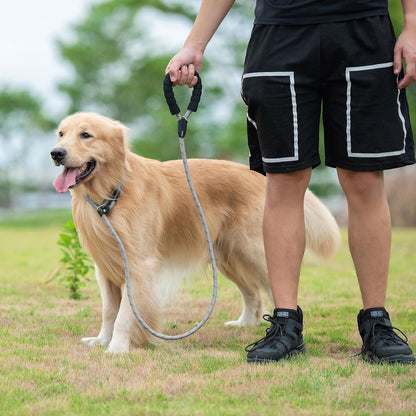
71 177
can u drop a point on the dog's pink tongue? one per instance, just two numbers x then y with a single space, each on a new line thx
65 180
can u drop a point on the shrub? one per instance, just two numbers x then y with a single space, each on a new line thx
76 262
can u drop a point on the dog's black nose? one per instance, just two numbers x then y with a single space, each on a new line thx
58 154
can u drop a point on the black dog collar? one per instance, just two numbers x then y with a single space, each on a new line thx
108 204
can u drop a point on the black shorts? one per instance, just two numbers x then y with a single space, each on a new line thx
345 69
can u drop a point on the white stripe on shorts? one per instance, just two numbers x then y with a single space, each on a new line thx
348 71
291 76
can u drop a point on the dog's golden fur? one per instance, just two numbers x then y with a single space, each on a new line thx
159 225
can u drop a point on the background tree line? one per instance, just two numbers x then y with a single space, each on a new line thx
118 55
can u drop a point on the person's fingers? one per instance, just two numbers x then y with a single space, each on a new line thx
409 78
397 60
173 71
187 76
183 75
405 50
191 76
193 82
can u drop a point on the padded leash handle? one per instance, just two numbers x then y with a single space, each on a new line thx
170 96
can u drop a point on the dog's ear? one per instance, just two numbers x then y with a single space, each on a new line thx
119 133
118 130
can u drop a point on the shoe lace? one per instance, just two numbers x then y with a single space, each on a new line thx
274 331
385 334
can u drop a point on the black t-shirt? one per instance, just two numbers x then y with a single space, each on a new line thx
299 12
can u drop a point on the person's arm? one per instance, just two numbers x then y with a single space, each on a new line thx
183 65
406 45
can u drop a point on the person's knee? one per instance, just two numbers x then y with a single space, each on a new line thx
362 186
287 186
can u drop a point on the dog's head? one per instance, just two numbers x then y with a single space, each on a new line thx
91 148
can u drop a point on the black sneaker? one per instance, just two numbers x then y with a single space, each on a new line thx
283 339
381 344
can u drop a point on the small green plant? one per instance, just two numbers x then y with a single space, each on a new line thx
76 263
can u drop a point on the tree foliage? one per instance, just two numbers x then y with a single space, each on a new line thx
119 62
21 111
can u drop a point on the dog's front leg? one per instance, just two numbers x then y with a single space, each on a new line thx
110 297
120 342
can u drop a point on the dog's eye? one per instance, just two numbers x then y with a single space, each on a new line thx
61 133
85 135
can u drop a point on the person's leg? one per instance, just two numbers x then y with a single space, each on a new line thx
284 234
280 86
369 235
284 242
369 232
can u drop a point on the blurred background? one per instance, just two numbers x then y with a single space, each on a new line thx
109 56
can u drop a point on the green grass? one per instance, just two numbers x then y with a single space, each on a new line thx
46 370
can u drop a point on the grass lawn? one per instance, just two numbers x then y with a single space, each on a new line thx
46 370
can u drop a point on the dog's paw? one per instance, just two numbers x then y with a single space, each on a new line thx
242 322
94 341
117 348
234 323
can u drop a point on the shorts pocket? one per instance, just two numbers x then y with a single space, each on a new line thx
272 109
375 125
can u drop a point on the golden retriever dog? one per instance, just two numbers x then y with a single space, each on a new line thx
158 223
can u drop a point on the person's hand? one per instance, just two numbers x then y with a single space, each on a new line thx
405 49
183 65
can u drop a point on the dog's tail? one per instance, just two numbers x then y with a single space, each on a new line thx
322 231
